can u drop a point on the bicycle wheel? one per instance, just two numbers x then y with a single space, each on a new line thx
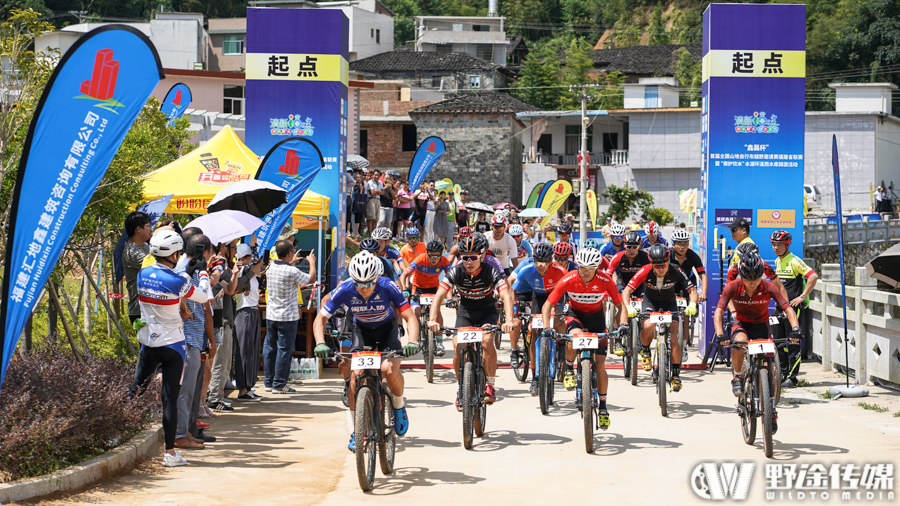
748 418
388 441
481 409
545 382
587 410
662 358
428 352
521 370
635 347
765 400
776 377
626 357
366 437
467 400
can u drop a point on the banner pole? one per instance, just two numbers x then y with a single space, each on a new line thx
840 232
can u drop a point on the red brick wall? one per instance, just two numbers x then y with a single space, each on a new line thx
385 145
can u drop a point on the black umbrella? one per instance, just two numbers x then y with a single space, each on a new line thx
886 266
252 196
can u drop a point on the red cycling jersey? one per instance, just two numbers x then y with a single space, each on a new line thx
755 308
585 298
734 273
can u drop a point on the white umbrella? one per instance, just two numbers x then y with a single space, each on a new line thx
225 226
478 206
357 162
534 212
252 196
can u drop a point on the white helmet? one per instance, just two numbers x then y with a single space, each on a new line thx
652 229
166 243
618 230
516 230
365 267
498 219
588 257
680 234
381 233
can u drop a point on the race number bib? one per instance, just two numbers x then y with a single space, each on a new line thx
425 301
763 346
681 301
468 335
362 360
537 322
586 341
660 318
636 303
773 320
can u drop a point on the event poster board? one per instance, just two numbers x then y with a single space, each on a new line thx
297 75
752 129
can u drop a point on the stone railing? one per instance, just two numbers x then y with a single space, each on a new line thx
873 328
617 157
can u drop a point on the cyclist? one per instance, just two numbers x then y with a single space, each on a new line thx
628 262
524 249
661 280
799 281
533 284
734 272
475 282
369 297
592 243
586 289
740 232
653 238
564 235
374 247
413 247
383 236
689 262
751 295
562 252
425 271
453 252
616 241
502 245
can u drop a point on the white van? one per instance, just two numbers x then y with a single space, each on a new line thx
813 197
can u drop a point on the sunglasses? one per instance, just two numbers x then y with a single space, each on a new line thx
541 264
659 266
561 259
412 238
367 284
631 247
499 226
434 256
563 234
469 258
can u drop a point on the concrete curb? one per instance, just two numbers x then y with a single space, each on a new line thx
84 474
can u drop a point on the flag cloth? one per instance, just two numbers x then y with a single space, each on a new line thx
427 155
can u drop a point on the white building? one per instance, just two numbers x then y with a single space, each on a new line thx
483 37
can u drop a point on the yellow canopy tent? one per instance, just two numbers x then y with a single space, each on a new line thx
195 178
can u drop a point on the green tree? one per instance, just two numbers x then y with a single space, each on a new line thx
658 35
405 12
623 201
538 82
689 73
578 71
661 215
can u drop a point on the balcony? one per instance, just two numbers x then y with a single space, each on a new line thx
616 157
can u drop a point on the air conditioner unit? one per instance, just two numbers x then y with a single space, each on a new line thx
198 65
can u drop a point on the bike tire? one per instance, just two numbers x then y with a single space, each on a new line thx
545 382
765 401
387 443
748 420
776 377
635 346
521 371
587 410
481 409
662 383
345 395
428 351
366 438
466 400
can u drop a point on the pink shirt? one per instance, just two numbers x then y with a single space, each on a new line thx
404 193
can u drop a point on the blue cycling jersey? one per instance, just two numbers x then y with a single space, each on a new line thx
392 253
523 264
609 249
645 245
528 280
372 312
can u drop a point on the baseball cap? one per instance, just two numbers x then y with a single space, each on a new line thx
242 251
739 223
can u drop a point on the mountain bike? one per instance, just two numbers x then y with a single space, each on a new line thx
586 380
778 320
715 352
499 335
634 343
550 355
373 415
757 399
338 334
521 367
662 358
427 341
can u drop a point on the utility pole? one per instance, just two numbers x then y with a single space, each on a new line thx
583 170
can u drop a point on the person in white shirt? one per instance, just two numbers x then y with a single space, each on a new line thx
246 324
374 187
502 245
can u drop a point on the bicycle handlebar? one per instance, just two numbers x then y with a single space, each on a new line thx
490 329
384 354
742 345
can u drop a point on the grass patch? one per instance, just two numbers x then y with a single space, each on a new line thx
826 395
793 401
803 383
873 407
897 414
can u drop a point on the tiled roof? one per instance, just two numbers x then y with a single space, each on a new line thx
514 43
483 102
643 59
421 61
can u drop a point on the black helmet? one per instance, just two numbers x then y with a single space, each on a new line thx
370 245
435 245
745 247
543 252
633 238
474 244
659 254
751 266
564 228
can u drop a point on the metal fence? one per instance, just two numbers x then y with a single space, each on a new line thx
859 232
616 157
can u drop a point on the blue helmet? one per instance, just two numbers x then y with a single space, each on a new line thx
591 243
412 232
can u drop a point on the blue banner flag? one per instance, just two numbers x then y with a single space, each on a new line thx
154 209
291 164
426 156
544 190
176 102
88 105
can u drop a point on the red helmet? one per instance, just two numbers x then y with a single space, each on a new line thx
562 249
781 236
465 232
498 219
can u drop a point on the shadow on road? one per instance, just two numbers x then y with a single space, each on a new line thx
499 440
405 478
608 444
680 410
785 451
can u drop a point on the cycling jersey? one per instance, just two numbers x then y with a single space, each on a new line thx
488 259
586 298
691 262
409 254
423 274
625 267
572 266
645 244
504 248
610 250
391 253
755 308
372 312
524 263
660 290
528 280
524 251
159 290
734 273
793 272
475 290
389 271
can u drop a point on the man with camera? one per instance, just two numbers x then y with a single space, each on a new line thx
246 324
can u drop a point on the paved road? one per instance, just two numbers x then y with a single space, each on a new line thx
292 451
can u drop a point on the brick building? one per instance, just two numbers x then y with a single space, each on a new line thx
430 72
388 137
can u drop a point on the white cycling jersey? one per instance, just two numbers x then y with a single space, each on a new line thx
504 249
159 290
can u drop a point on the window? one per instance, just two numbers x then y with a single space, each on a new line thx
475 82
573 139
444 48
610 142
436 81
372 32
625 136
485 52
364 143
409 138
234 99
378 36
233 44
545 144
651 97
481 28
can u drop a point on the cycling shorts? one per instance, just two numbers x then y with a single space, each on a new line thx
383 338
753 330
422 291
537 303
523 298
476 317
637 293
595 322
647 306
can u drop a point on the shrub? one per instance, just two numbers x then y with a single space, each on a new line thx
661 215
56 412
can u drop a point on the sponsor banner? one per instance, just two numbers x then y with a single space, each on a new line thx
749 63
176 102
725 217
557 193
428 153
85 111
591 201
535 193
154 209
775 218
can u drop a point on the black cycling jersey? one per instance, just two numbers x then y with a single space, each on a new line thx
625 267
475 291
661 291
691 261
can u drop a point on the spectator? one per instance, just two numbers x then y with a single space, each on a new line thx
429 212
462 213
386 199
442 227
404 207
246 326
137 226
282 315
223 324
878 199
374 187
421 205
